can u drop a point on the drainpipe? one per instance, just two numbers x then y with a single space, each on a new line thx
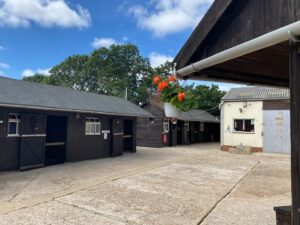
264 41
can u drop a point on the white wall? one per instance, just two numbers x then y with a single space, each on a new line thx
242 110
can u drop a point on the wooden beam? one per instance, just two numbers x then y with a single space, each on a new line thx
295 128
238 77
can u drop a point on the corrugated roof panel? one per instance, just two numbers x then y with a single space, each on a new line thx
256 93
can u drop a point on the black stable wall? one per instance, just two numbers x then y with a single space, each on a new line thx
149 132
78 146
83 147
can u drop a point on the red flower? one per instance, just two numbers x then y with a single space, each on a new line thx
156 79
181 96
163 85
172 78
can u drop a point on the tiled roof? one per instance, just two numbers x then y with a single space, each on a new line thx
198 115
256 93
17 93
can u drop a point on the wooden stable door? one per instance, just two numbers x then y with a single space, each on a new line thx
117 148
32 153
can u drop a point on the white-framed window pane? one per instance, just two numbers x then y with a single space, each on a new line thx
187 126
98 128
166 127
92 126
201 126
14 121
12 128
244 125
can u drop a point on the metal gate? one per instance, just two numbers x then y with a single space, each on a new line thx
117 137
277 131
33 137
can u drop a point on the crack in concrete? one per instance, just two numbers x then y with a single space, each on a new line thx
24 187
229 192
119 219
113 178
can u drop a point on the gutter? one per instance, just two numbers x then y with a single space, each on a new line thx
272 38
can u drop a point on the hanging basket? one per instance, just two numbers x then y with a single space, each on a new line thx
171 111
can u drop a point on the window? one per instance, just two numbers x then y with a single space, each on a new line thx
92 126
187 126
166 127
244 125
14 121
201 126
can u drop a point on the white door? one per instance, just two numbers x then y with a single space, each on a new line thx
277 131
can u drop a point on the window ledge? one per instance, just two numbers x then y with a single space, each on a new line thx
243 132
13 135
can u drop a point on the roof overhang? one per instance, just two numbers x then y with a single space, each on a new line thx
247 62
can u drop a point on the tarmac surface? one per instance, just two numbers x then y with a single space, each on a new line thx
185 185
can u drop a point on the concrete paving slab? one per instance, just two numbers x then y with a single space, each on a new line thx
182 185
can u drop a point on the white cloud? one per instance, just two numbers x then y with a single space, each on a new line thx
4 66
2 74
157 59
104 42
1 48
30 72
164 17
47 13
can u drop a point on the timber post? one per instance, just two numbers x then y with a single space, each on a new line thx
295 127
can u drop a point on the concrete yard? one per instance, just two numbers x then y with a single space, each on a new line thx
185 185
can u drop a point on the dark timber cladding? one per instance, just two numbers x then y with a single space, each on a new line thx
193 127
230 23
45 125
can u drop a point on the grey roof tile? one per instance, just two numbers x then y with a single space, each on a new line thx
27 94
198 115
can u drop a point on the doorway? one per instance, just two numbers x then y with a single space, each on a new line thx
180 132
56 140
128 136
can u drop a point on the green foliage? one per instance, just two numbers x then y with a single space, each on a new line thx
105 71
38 78
208 97
111 70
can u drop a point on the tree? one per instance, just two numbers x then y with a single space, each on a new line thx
209 98
105 71
38 78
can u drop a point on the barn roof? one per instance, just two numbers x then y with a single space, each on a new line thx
205 26
256 93
198 116
24 94
241 41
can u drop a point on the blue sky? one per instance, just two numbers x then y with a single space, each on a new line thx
38 34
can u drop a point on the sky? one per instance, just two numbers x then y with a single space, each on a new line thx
36 35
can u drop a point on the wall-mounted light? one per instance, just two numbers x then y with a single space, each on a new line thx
241 110
77 116
174 121
151 120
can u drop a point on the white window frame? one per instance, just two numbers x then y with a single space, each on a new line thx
244 126
17 121
202 129
91 124
166 127
187 126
